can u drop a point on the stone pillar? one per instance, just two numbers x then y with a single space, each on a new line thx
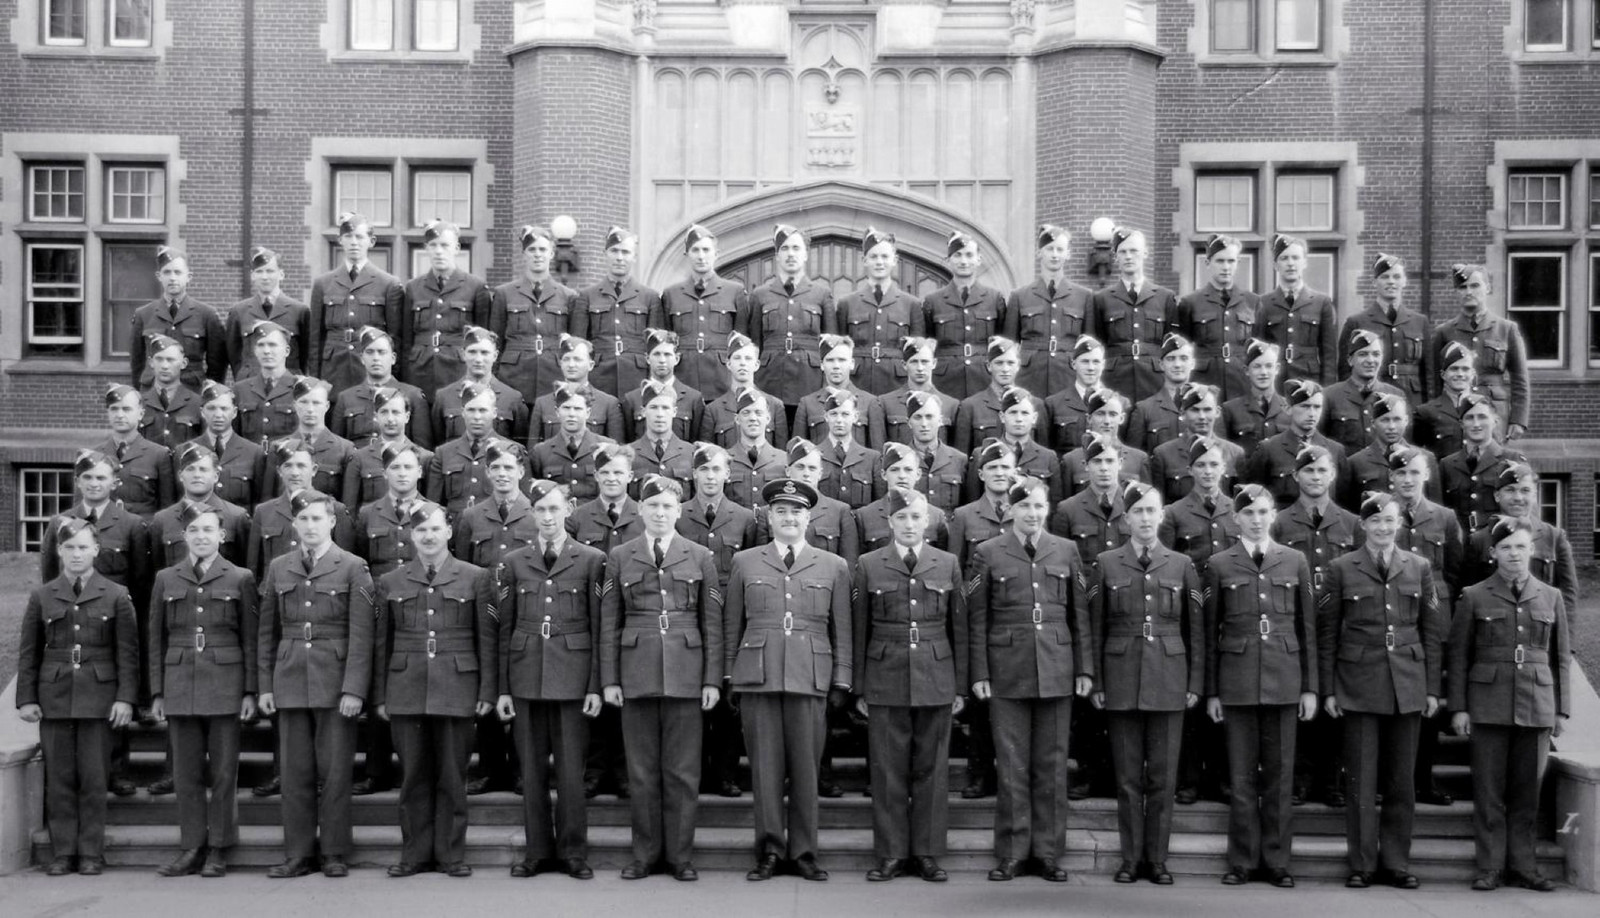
1577 815
21 785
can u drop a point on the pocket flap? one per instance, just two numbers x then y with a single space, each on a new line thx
692 638
1173 645
1233 644
228 655
877 650
1352 653
174 656
941 650
466 663
629 639
579 640
105 670
758 639
398 661
1543 676
1118 645
1483 672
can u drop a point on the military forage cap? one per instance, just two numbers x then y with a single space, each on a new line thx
650 391
1103 398
1218 243
422 512
1383 264
438 227
1014 396
1257 349
305 385
1099 445
475 334
607 453
1460 274
370 335
1455 352
1120 235
1174 342
212 391
901 498
1086 344
999 346
1049 232
157 343
527 233
748 397
1388 403
471 392
1203 445
305 499
1374 503
285 449
1363 338
789 490
1516 473
393 451
567 391
895 452
268 327
1507 526
383 395
1281 243
70 527
1135 490
912 345
349 221
706 453
192 512
1476 400
191 453
656 485
542 488
875 237
992 450
1402 455
1024 486
1194 395
1310 455
116 392
838 398
659 337
827 344
800 449
697 233
958 241
261 256
917 400
89 458
1246 494
1300 391
166 255
566 344
497 449
782 232
738 341
617 235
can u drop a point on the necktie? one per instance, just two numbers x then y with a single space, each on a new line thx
1050 291
1406 520
1029 547
438 280
1257 556
1210 504
1266 404
199 572
77 586
910 560
122 451
166 400
1227 297
432 572
549 556
616 289
661 558
1288 298
172 310
611 511
1516 592
1389 313
537 289
699 288
1144 557
572 448
1472 459
1316 518
308 561
476 445
755 455
661 451
711 515
1105 507
216 446
505 512
839 452
353 272
788 288
964 292
877 294
788 557
1383 568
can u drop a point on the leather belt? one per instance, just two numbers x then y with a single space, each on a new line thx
1146 630
551 629
911 631
1517 654
78 653
1404 637
306 631
660 620
1404 369
202 641
450 642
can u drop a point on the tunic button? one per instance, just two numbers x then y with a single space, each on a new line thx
914 602
1148 597
1519 627
431 634
430 611
1262 595
549 582
430 591
308 604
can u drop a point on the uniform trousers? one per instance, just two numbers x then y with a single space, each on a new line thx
203 746
662 738
722 743
1203 761
1144 751
909 760
1031 740
496 755
783 732
1319 756
980 743
434 752
1093 756
316 745
544 730
1428 748
605 761
378 746
77 758
1379 757
1261 773
1507 763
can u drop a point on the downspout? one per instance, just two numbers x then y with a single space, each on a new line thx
1427 158
247 146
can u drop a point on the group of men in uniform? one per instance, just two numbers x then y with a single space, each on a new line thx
569 529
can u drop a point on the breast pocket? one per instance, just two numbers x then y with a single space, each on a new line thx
520 321
1544 621
1493 356
635 317
1410 348
1493 628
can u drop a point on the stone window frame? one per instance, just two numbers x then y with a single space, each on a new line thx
27 33
1583 35
1333 46
335 37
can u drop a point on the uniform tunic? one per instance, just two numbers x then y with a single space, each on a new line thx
688 413
605 417
1408 361
1047 327
1437 426
193 324
750 468
703 319
242 470
434 312
962 327
1221 324
458 475
591 525
1154 421
266 409
173 423
874 530
331 456
558 460
786 328
283 310
354 414
978 418
1306 333
529 329
1169 467
364 481
340 308
1075 468
1502 363
719 423
877 328
1132 326
1083 518
146 482
1067 417
1347 412
1469 484
1247 422
272 533
167 545
510 411
614 315
811 417
1272 464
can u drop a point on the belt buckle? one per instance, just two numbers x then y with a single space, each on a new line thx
1394 369
544 629
1264 626
1038 614
432 646
77 654
305 630
1472 518
915 634
538 344
1388 640
1148 631
1288 352
435 339
877 351
966 350
349 335
620 347
663 621
1054 344
1316 579
1519 656
1227 350
1133 349
788 622
700 343
199 640
788 342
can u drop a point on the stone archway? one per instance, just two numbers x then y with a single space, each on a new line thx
832 209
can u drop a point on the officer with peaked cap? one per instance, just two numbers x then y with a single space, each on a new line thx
355 294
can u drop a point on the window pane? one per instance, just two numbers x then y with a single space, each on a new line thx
1594 309
1546 26
365 191
1552 501
445 195
1537 200
1537 301
1594 180
379 256
55 299
1321 269
137 194
435 27
46 494
130 23
57 193
372 25
1299 25
1232 25
1224 203
1305 203
130 282
66 22
419 260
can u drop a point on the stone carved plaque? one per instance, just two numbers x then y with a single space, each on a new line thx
832 133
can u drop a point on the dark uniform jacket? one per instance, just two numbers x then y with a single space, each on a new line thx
1067 418
911 628
167 546
284 310
788 630
1502 363
272 533
484 539
383 536
1306 332
203 639
1149 629
77 655
1083 519
786 329
124 557
962 330
266 410
1033 459
1437 425
978 418
675 461
614 315
1187 526
944 473
1221 324
811 421
529 330
688 417
592 526
1434 533
1272 464
661 628
1047 328
1247 423
435 311
1261 627
550 623
1551 560
170 425
1368 470
242 469
146 481
872 526
1469 485
605 417
510 412
330 453
703 320
1337 534
353 412
719 422
316 630
1510 660
1347 412
1408 361
855 480
437 650
556 460
971 525
1132 329
1075 469
832 528
1153 421
747 475
1169 467
457 477
1380 639
877 330
197 326
1028 617
340 308
897 419
733 530
363 475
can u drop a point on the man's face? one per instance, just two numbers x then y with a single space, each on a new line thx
356 243
964 263
78 553
753 422
881 260
1053 257
1305 415
1104 470
573 415
807 470
1291 265
377 358
792 256
1144 520
742 365
174 277
1461 376
703 256
477 416
402 474
788 522
1029 513
551 512
659 414
841 420
1130 256
271 351
1391 427
1316 478
1477 425
199 479
712 476
479 357
1202 417
663 361
123 416
203 535
536 257
660 512
1382 527
999 475
431 537
909 524
96 483
1516 499
295 472
1513 553
837 365
1224 265
505 472
1178 366
442 251
310 409
919 368
392 417
621 257
1390 284
1410 480
1474 294
925 424
1263 373
1207 471
266 279
903 474
577 364
219 414
1365 363
1018 420
314 525
1089 366
613 478
1003 369
1255 519
167 364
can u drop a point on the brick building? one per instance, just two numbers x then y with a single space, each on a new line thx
1441 132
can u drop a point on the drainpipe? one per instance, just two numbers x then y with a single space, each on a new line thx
1427 157
247 145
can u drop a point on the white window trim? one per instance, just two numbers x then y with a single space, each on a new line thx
130 167
1254 206
57 42
113 41
23 519
334 36
28 33
31 298
1278 42
1592 301
1558 484
28 173
1333 201
418 217
1564 176
1563 309
1566 31
1332 33
97 150
1580 46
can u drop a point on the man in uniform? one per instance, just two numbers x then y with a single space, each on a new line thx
719 423
1273 464
456 474
787 647
1047 316
1380 639
704 311
197 481
1469 476
267 304
849 471
530 315
1169 464
944 468
1261 671
439 304
900 467
266 399
355 409
272 531
612 517
1512 716
879 315
917 362
182 318
614 314
171 410
1157 418
355 294
661 662
1503 367
550 680
1019 420
315 669
978 415
480 351
1066 410
1402 332
1261 411
241 463
1438 425
1032 651
330 452
1093 518
1517 496
1132 316
144 481
437 620
909 689
1368 469
364 477
961 317
839 362
1220 320
659 449
1301 321
752 459
577 362
1107 411
661 346
568 456
784 318
1348 417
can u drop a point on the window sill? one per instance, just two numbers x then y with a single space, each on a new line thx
77 230
58 366
400 57
1296 60
1538 58
45 52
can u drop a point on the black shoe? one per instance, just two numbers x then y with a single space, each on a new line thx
477 787
366 787
1007 869
1279 877
929 870
591 788
577 868
162 787
517 787
1297 798
293 867
729 789
1079 790
1534 881
1186 796
522 869
636 870
1358 880
91 866
807 867
1052 872
887 869
187 862
622 789
765 867
1486 881
334 867
684 872
406 869
829 789
457 869
1399 879
1127 873
1434 796
60 867
122 787
1159 874
268 788
1335 799
1235 877
978 788
216 865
